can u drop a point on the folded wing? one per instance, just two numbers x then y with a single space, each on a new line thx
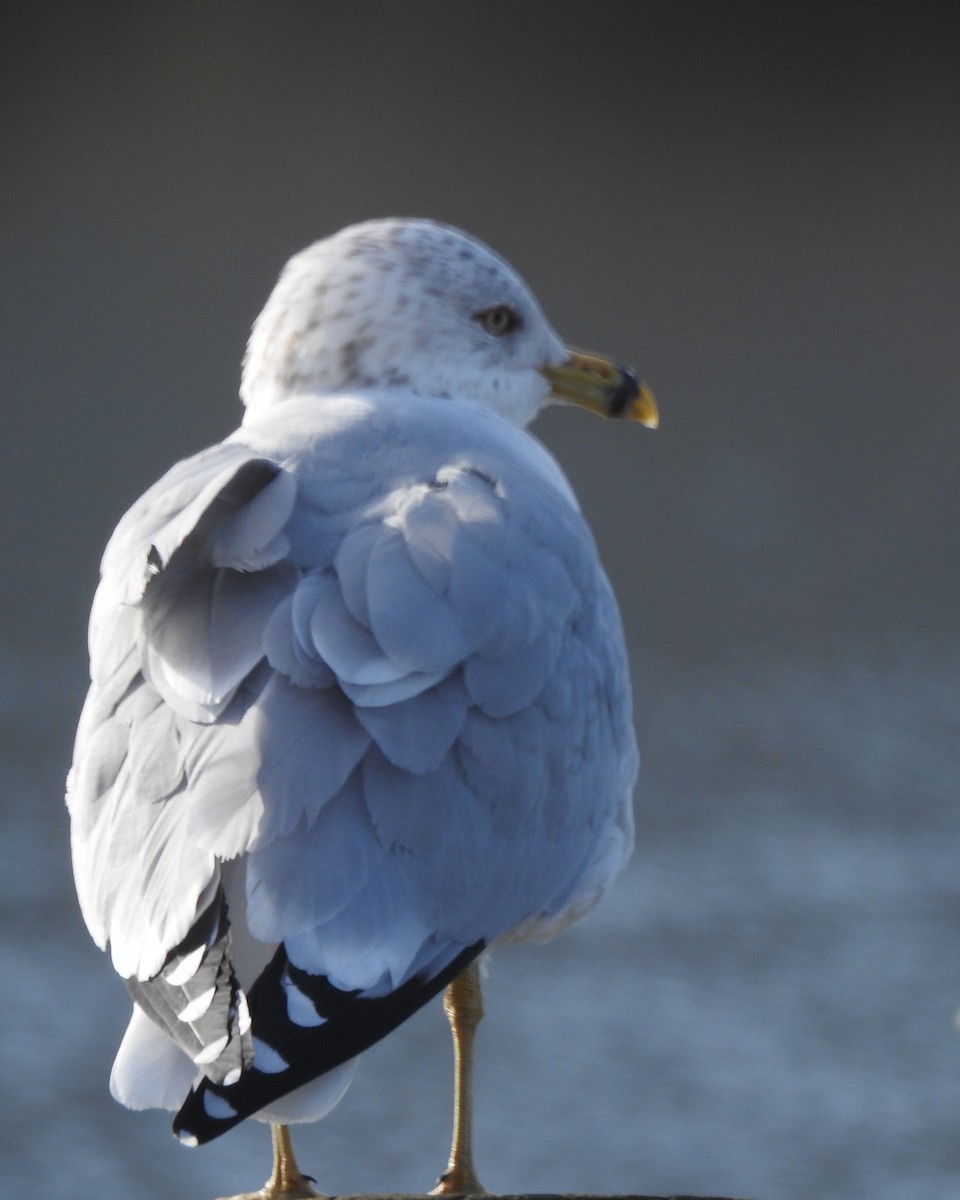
402 709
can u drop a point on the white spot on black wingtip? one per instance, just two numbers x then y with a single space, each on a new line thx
211 1052
186 968
268 1060
186 1138
216 1107
232 1077
197 1006
300 1008
243 1014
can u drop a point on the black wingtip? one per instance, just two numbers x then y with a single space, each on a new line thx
351 1024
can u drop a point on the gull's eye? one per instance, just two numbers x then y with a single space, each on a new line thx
499 320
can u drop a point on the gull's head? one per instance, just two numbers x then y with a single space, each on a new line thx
414 305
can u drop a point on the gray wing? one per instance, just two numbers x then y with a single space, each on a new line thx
188 582
395 686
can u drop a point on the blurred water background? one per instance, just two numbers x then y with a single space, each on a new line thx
760 207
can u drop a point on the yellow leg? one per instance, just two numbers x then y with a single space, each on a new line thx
286 1182
463 1004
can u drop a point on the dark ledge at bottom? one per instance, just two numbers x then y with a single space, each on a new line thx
538 1196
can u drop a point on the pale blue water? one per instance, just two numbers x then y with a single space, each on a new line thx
763 1008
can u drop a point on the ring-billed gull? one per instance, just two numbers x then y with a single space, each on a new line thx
359 706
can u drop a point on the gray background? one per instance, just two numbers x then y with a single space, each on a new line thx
757 205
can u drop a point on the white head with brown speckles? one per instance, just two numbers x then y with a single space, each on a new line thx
406 304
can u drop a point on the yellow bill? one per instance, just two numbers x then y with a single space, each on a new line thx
598 384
